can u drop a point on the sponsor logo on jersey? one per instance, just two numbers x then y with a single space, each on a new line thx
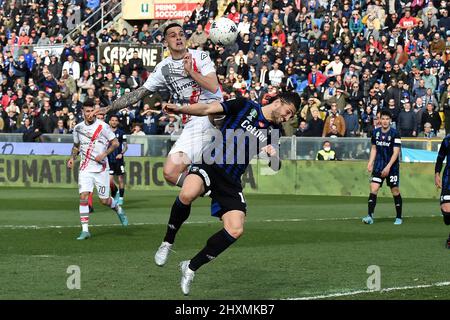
253 131
383 144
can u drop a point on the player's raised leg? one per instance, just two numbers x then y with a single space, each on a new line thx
113 187
233 228
181 209
91 203
121 188
102 183
175 168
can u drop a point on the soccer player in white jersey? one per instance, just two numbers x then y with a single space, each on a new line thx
95 140
190 76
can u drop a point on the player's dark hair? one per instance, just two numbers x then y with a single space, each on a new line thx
114 116
88 103
385 113
290 98
171 25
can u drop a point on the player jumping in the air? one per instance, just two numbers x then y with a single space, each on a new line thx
95 141
444 184
384 164
191 77
247 130
116 160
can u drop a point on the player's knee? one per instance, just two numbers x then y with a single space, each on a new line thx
105 202
446 217
170 175
235 232
187 196
84 196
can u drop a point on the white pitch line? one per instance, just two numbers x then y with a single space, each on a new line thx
353 293
35 227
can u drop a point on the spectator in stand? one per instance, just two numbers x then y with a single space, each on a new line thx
407 122
432 117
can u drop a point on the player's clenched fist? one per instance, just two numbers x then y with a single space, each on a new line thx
270 150
100 157
187 61
171 108
70 163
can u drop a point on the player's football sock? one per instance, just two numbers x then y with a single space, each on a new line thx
84 215
398 205
372 202
90 203
446 216
180 212
121 193
181 178
215 245
113 188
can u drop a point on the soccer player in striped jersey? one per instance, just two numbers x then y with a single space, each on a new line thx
116 160
247 130
95 141
444 184
384 164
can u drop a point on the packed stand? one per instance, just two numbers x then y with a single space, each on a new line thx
346 59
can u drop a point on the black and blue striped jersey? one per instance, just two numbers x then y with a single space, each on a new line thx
444 152
245 131
121 137
385 143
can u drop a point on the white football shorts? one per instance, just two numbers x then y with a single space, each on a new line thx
195 137
87 181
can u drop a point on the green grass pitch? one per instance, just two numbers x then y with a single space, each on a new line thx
292 247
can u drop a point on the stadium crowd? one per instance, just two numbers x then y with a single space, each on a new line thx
347 59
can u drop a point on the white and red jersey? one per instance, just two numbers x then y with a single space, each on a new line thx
94 139
170 74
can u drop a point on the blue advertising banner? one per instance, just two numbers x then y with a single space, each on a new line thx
416 155
47 149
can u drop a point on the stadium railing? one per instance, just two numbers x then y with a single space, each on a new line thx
291 148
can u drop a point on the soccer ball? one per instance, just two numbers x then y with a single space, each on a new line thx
223 32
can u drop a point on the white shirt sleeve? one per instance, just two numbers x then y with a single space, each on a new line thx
107 132
156 80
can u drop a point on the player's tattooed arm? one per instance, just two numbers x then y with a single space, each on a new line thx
73 155
75 151
125 100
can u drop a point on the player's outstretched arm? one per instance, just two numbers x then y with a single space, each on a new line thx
198 109
125 100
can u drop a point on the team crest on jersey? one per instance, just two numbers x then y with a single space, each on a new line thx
203 55
389 138
378 135
253 114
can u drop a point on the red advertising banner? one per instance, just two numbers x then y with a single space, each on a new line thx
173 10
